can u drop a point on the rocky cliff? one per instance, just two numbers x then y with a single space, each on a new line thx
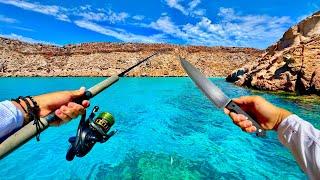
292 64
104 59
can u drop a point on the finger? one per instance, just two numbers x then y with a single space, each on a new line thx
69 110
75 109
250 129
85 103
242 117
244 100
237 117
226 111
78 93
245 124
62 116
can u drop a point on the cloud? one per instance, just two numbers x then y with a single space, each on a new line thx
165 25
186 9
175 4
7 19
252 27
164 14
117 17
64 14
93 16
56 11
26 39
191 34
194 3
22 28
199 12
138 17
109 16
232 29
119 33
89 17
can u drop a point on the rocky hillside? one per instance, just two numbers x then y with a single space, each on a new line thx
104 59
292 64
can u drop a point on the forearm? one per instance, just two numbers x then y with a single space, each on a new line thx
303 140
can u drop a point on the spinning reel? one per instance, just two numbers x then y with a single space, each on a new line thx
89 132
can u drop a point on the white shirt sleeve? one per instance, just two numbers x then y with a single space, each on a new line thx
11 118
303 140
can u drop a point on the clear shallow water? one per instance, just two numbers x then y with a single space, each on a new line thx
167 130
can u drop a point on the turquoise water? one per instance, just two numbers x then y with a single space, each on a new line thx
167 130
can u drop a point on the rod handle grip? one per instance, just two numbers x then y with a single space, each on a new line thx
233 107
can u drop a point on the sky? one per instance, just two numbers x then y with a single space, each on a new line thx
244 23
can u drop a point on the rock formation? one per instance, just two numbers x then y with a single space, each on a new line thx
292 64
104 59
315 82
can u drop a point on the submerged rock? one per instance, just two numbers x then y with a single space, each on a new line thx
289 64
151 165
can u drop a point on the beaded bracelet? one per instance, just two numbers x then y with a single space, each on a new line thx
33 112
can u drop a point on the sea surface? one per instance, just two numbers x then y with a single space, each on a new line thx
166 130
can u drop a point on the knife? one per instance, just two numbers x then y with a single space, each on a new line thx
215 94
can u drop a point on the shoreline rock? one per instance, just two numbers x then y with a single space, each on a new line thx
289 65
315 82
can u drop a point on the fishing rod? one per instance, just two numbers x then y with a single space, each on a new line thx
29 131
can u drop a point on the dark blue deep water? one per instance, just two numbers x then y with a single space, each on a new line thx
167 130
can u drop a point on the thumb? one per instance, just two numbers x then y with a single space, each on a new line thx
78 93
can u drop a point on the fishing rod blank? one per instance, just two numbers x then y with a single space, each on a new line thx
29 131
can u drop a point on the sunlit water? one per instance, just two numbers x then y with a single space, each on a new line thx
167 130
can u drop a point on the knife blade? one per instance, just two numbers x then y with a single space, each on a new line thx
216 95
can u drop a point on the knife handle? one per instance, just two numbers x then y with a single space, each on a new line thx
233 107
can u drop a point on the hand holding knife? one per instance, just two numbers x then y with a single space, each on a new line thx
215 94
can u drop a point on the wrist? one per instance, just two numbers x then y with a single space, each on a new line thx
283 114
42 107
22 104
22 109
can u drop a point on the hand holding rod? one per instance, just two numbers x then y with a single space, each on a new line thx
90 93
29 131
